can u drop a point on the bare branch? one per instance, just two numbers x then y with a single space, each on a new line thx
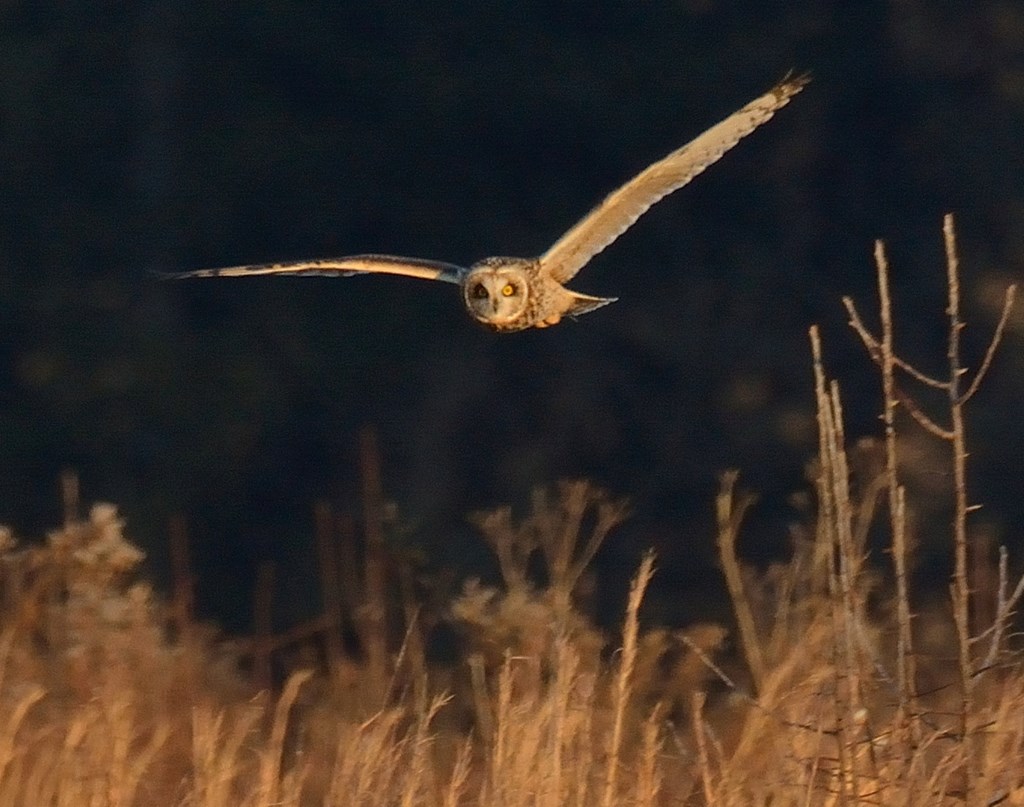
912 371
961 591
997 337
897 501
870 342
730 509
918 414
1005 611
874 349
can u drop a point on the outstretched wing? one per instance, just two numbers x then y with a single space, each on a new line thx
623 207
334 267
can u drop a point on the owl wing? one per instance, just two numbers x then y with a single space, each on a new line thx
343 267
621 208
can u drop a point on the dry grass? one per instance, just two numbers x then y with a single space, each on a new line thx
109 697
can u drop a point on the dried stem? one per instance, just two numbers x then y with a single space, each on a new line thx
703 761
272 757
906 673
834 526
883 353
993 345
1004 609
730 513
961 587
623 680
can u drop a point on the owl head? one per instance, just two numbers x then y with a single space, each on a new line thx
497 291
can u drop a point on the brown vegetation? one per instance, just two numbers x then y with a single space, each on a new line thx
109 697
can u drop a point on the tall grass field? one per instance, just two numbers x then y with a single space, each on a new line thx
836 683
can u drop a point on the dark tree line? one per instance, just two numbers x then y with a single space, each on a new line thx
164 136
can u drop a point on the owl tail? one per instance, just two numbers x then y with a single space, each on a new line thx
584 303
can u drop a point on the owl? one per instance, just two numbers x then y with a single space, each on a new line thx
513 294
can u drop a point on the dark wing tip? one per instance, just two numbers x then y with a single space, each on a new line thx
162 275
791 84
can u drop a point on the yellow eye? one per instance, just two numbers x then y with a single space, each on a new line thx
508 290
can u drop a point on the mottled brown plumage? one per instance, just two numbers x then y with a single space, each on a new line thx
513 294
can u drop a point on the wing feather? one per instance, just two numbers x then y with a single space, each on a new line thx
335 267
621 208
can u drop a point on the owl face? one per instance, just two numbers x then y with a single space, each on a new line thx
497 291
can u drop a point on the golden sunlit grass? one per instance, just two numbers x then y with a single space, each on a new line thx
847 696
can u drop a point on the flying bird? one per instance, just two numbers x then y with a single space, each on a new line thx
513 294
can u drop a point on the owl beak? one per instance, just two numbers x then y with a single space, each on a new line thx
494 305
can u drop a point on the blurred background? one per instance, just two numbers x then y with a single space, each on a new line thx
171 136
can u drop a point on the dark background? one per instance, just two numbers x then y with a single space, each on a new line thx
169 136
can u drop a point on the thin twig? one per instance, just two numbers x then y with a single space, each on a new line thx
848 569
922 419
897 505
703 762
961 587
751 701
730 512
874 348
1004 612
993 345
624 678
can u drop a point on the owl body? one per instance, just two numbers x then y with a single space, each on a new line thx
513 294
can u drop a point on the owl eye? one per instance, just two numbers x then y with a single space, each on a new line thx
478 292
508 290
